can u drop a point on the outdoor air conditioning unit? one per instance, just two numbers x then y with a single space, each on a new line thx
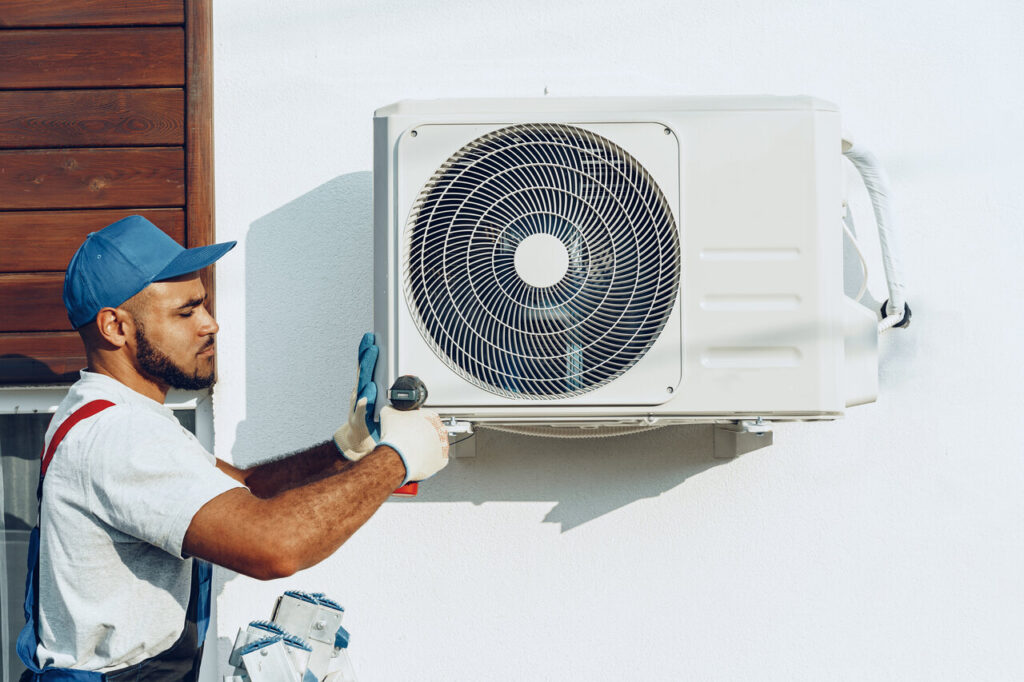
620 262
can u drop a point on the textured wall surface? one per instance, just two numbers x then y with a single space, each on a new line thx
886 546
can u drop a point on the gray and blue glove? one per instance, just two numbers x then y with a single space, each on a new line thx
358 436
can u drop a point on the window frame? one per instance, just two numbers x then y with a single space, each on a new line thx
45 399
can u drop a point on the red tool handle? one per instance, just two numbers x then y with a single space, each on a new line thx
408 490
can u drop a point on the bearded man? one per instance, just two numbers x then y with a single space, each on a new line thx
132 506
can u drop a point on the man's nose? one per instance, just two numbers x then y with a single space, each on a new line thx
210 325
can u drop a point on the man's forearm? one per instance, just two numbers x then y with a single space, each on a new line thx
297 528
299 468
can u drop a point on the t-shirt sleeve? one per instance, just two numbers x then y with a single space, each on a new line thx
149 476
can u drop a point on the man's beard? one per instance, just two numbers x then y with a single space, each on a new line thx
156 365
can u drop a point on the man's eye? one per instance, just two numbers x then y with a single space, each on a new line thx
188 314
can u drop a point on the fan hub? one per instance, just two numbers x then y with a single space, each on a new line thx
541 260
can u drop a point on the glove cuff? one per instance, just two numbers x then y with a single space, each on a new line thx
405 462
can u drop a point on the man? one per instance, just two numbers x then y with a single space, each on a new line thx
129 499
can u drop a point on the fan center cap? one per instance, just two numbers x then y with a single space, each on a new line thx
542 260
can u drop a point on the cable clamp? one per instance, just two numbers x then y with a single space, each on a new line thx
905 322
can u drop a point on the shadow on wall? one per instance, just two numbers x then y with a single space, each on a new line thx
309 270
853 274
309 298
21 369
588 477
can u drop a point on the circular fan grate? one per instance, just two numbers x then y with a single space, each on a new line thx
543 261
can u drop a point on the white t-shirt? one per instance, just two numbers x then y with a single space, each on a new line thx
118 496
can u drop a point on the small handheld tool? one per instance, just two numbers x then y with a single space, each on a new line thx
407 393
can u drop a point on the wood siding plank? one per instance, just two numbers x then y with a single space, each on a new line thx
92 57
39 241
199 140
55 358
92 118
92 178
135 149
34 13
32 303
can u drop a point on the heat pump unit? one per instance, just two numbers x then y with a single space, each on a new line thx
617 261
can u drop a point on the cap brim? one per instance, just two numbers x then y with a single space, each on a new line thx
194 259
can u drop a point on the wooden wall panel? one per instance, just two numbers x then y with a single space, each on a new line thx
39 13
199 140
92 178
92 118
105 106
96 57
53 357
33 302
41 241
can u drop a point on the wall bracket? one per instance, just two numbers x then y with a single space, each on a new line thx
739 438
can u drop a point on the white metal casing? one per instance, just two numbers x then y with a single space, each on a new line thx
754 184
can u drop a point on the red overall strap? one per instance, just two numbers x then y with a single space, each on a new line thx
83 412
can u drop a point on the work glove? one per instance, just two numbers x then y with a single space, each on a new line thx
358 436
419 438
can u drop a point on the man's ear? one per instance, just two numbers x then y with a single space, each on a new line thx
115 326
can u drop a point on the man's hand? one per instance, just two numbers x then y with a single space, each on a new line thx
419 438
360 434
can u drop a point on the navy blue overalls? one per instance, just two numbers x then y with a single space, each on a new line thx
180 662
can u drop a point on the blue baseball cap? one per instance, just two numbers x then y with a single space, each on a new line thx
121 260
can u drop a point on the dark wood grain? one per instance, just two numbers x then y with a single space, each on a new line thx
92 178
40 358
32 303
199 137
35 13
38 241
91 118
137 102
92 57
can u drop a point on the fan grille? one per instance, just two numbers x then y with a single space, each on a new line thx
528 317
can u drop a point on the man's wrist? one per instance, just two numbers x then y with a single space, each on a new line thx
389 458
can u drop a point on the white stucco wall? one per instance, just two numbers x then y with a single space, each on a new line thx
886 546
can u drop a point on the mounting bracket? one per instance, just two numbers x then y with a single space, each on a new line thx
741 437
463 441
